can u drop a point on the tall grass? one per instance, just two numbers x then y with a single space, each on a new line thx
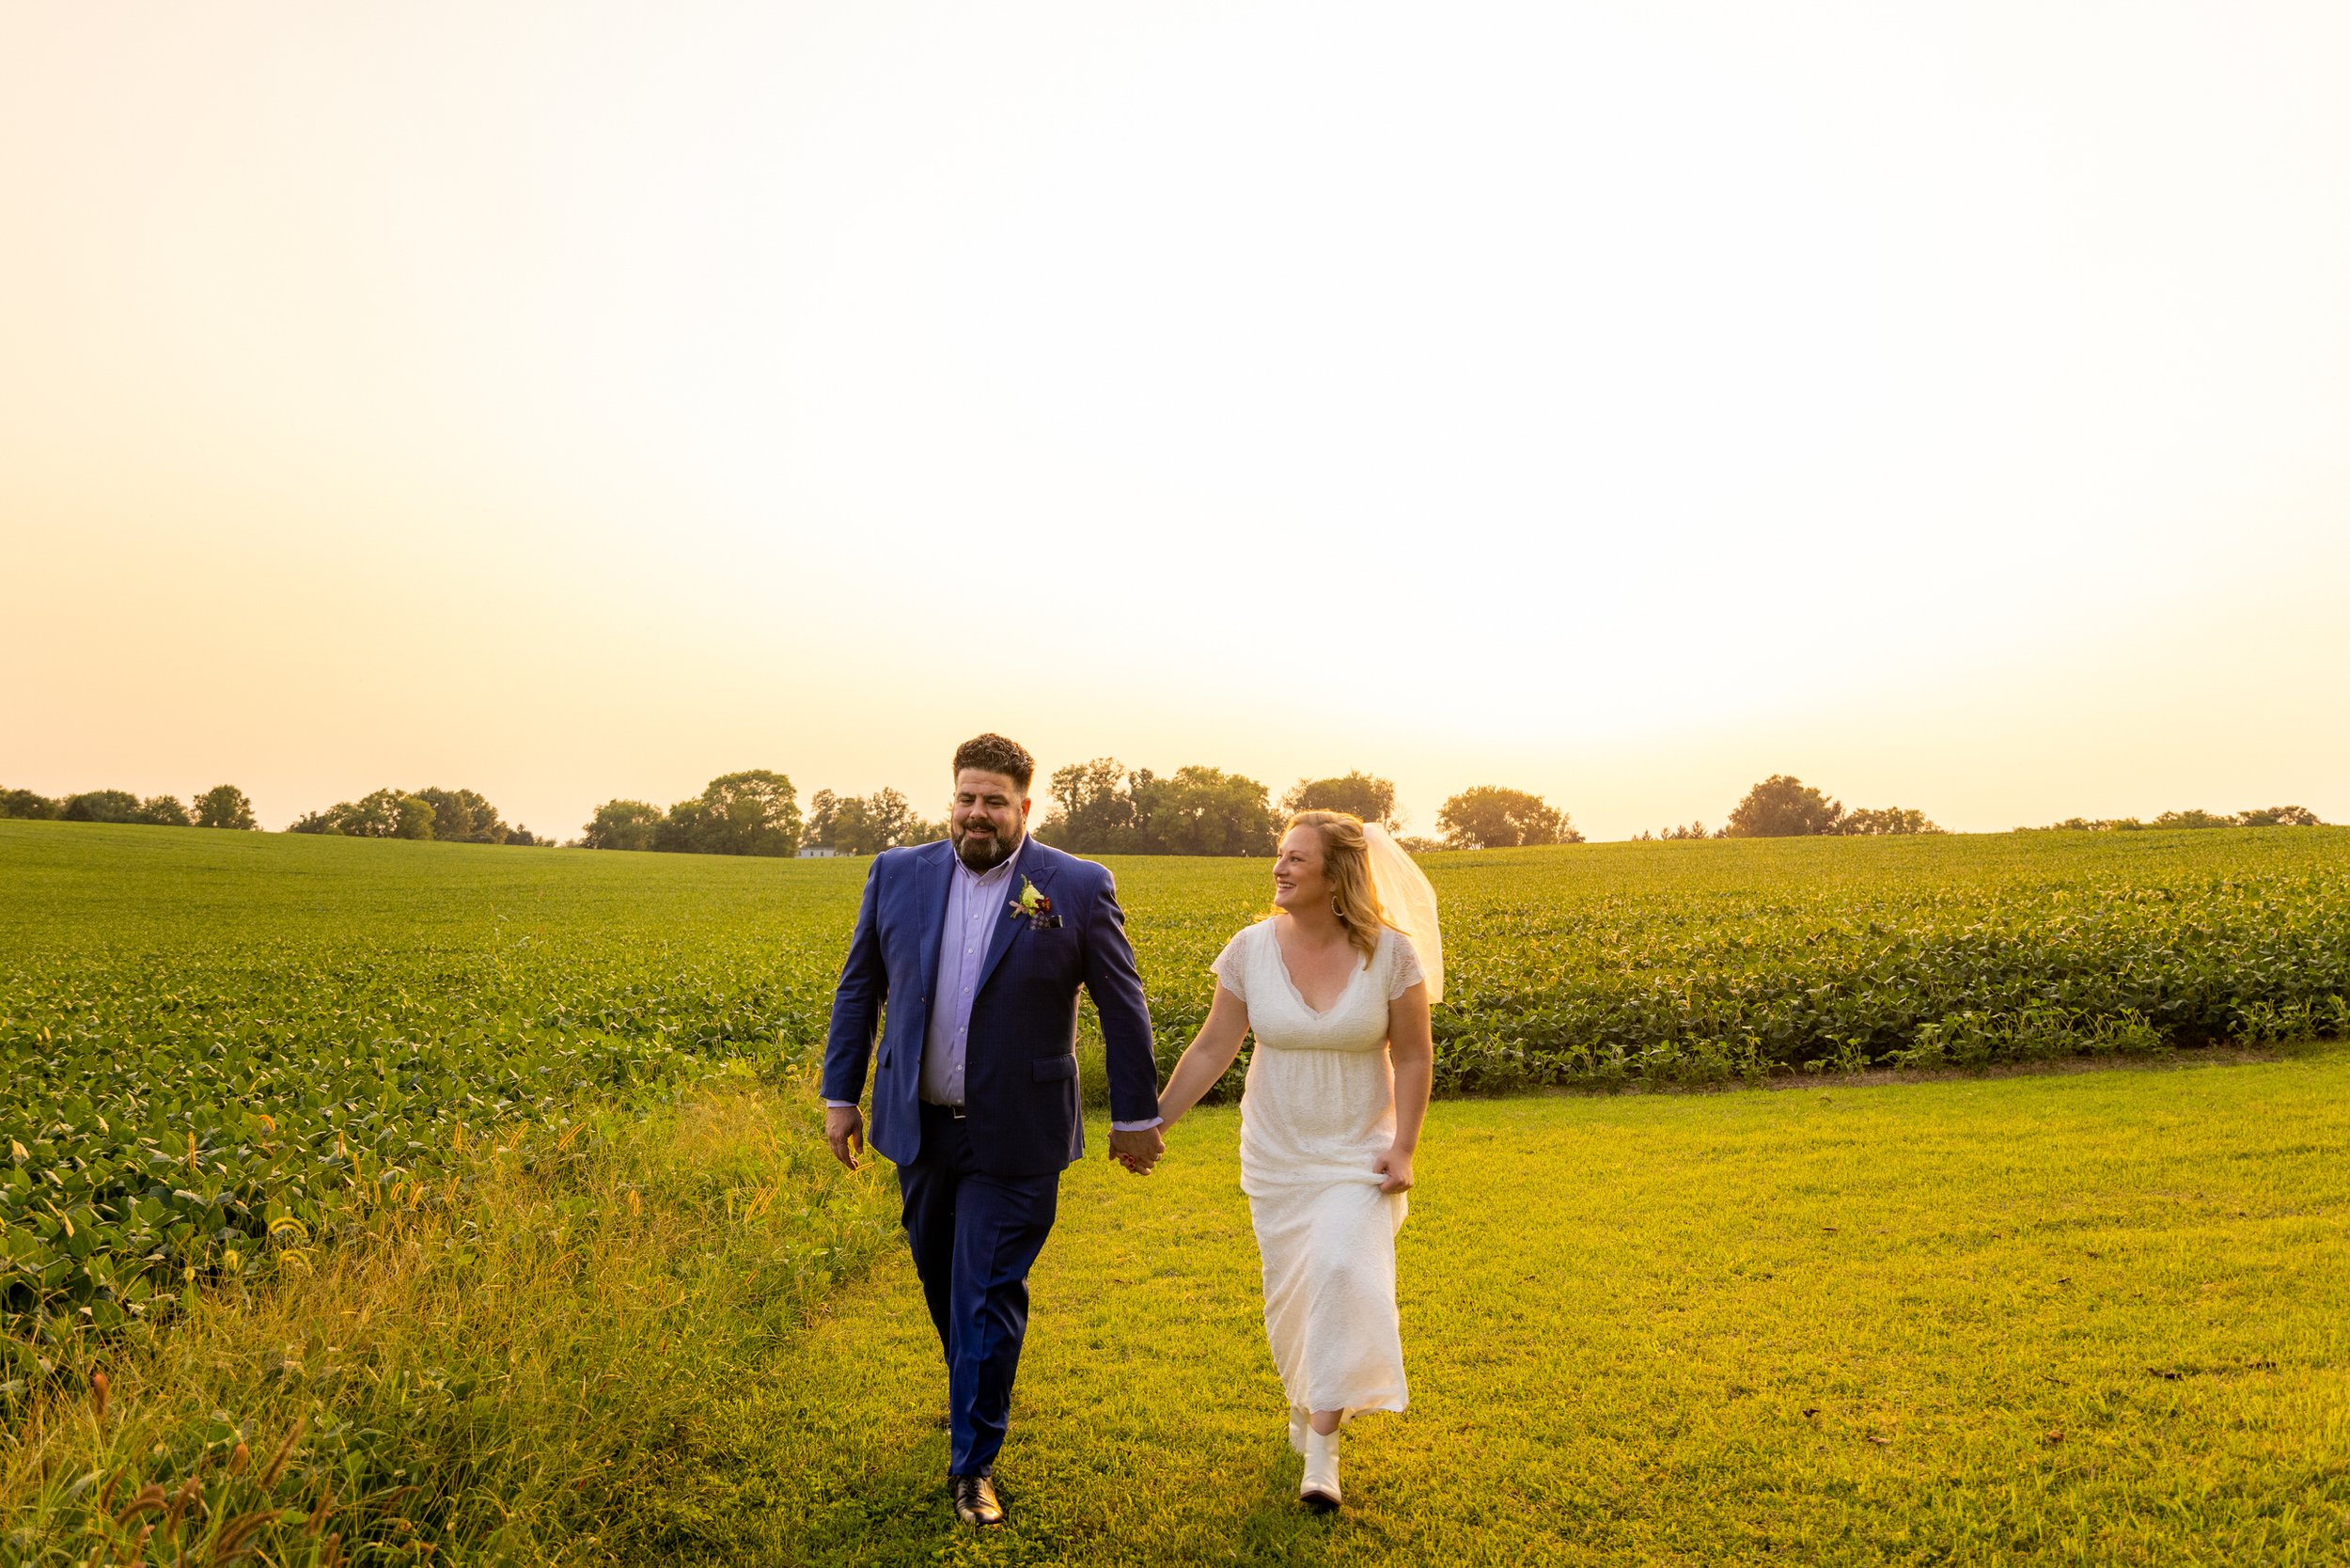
517 1376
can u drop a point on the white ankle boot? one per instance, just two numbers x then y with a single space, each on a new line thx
1299 1426
1319 1490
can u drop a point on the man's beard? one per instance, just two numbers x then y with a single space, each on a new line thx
982 854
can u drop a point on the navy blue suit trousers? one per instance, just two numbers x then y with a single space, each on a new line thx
974 1237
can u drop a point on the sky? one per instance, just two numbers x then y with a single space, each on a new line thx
1947 405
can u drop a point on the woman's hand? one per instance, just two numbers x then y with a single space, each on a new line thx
1413 1049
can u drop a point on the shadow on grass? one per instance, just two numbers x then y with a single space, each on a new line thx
1278 1527
892 1508
895 1511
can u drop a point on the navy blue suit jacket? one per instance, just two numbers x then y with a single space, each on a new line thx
1020 1063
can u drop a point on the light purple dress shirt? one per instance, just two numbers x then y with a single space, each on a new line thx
975 901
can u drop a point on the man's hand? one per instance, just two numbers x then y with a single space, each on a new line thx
844 1129
1139 1151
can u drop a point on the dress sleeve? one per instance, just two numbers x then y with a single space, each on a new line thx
1232 965
1403 970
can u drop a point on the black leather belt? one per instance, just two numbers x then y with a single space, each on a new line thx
956 1111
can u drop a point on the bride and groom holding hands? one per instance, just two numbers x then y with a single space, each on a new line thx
979 945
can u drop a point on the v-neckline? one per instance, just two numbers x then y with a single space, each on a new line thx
1273 934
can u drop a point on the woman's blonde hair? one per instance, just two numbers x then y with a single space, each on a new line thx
1346 861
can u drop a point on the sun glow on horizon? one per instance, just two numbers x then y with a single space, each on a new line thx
571 404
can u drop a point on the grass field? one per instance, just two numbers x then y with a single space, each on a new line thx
497 1169
2088 1318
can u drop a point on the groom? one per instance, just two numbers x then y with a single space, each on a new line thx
979 945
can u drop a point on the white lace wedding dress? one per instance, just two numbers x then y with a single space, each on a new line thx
1319 1109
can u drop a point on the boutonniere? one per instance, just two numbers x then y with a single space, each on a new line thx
1035 906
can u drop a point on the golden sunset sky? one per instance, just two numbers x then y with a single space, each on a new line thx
1950 405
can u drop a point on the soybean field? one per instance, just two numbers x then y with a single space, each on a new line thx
222 1047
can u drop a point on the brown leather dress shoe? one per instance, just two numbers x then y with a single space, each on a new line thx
975 1500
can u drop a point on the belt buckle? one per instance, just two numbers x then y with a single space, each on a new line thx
957 1112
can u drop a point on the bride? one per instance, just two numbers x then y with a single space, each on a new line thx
1334 984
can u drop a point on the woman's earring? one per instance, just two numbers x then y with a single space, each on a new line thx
1334 908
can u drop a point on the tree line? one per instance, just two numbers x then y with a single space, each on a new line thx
1099 808
1784 806
2266 816
446 816
756 811
1106 807
221 806
461 816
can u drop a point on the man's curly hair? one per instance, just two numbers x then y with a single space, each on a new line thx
995 754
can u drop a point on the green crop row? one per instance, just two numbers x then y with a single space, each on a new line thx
222 1049
219 1058
1687 964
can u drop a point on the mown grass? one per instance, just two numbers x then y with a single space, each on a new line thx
2088 1318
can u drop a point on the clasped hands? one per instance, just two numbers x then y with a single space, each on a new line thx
1137 1151
844 1129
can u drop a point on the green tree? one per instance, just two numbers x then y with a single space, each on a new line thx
1103 808
1491 817
854 829
1366 796
1783 807
623 824
815 832
684 829
29 806
463 817
223 806
864 824
883 820
415 817
383 814
2191 819
389 814
1093 809
164 811
2279 816
1203 810
753 812
374 815
1878 820
102 806
889 820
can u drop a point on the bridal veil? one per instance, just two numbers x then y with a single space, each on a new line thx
1410 902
